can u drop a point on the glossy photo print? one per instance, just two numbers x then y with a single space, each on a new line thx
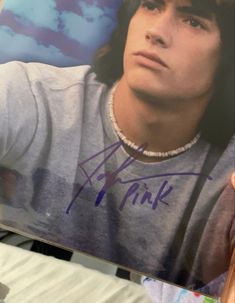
117 132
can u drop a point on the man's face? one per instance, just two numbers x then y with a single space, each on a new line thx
172 50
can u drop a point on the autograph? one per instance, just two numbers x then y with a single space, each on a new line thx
111 178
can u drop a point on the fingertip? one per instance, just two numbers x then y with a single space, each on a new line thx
233 179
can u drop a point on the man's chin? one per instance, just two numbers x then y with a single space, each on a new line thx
143 87
142 77
150 94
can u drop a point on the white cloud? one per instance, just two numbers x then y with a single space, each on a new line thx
40 13
90 29
20 47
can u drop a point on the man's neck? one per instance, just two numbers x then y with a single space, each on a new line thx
162 128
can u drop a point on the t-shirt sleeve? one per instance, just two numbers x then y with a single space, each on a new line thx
18 112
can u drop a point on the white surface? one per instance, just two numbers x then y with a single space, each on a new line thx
85 260
35 278
94 263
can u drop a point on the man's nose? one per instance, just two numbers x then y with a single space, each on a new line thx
161 30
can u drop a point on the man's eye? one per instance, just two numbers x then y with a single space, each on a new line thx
150 5
193 22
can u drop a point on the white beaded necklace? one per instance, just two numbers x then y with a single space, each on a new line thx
135 147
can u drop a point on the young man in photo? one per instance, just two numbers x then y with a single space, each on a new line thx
130 159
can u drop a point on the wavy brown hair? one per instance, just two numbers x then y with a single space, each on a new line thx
217 125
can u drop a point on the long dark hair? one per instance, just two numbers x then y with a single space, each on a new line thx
217 125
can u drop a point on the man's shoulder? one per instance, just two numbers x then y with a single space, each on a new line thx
47 75
232 140
231 145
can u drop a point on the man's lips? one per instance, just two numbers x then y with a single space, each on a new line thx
151 56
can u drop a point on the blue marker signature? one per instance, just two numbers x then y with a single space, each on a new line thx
111 178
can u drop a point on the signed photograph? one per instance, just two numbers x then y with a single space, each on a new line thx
117 132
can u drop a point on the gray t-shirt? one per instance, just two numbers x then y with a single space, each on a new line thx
65 177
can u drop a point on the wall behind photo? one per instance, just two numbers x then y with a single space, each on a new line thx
58 32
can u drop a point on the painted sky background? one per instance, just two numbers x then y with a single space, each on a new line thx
58 32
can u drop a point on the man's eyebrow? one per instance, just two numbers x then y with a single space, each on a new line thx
197 11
